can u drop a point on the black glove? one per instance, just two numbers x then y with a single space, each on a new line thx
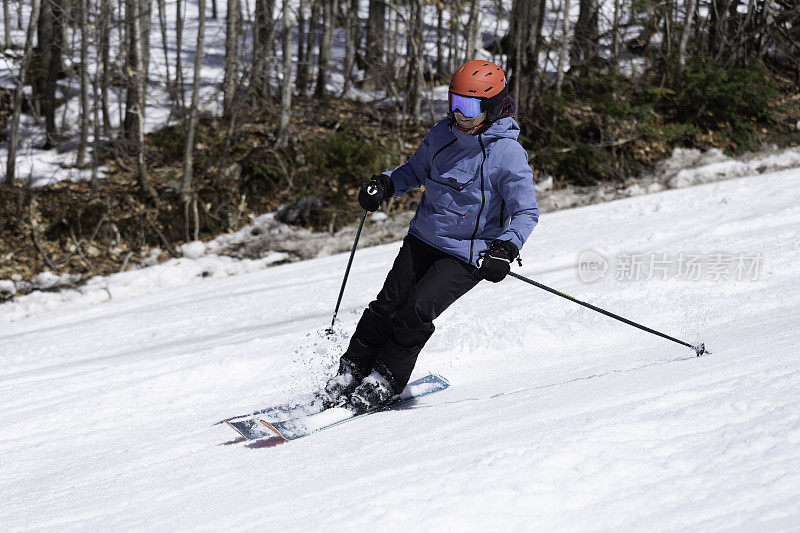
378 189
496 261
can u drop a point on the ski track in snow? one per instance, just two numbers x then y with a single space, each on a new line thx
558 418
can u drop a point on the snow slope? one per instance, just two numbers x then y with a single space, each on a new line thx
557 418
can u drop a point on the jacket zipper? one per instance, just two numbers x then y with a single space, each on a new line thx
442 148
483 200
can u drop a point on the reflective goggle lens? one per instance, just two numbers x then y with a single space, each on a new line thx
469 107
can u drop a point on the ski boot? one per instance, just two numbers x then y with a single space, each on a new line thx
339 387
376 390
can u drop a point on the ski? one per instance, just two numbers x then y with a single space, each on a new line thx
301 427
250 428
313 419
304 406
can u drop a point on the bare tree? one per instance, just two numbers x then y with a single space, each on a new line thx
416 59
302 62
286 82
133 95
188 162
351 41
6 25
134 112
232 26
162 22
97 101
329 9
146 12
584 43
526 27
687 28
104 29
376 30
563 47
49 51
263 34
13 136
84 83
179 16
473 29
439 39
615 35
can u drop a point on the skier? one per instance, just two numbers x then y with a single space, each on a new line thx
476 212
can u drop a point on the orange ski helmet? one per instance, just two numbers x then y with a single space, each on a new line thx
478 86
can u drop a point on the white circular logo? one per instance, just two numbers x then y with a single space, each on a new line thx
592 266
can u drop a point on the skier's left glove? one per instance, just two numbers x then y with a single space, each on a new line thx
378 189
495 263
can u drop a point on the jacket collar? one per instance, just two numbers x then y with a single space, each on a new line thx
502 128
465 140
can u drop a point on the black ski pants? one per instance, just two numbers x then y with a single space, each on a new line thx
422 283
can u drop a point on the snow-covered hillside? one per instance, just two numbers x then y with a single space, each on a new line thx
557 418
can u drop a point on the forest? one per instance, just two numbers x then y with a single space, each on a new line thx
181 120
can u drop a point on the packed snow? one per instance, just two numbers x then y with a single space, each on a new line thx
557 418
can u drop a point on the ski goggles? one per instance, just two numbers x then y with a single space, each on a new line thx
469 107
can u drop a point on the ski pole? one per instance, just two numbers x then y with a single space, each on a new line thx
329 331
699 349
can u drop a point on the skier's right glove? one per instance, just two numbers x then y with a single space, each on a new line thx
378 189
495 263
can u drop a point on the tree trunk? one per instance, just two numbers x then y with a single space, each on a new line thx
96 105
473 30
134 113
6 25
232 25
133 96
105 74
351 42
454 60
302 62
562 50
416 60
162 21
146 18
286 82
263 33
615 36
186 184
667 39
50 48
718 19
687 28
329 8
440 43
84 83
13 136
313 39
526 24
181 100
584 43
376 30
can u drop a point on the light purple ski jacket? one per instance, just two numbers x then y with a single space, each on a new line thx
477 188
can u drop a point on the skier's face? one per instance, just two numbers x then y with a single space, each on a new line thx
467 123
